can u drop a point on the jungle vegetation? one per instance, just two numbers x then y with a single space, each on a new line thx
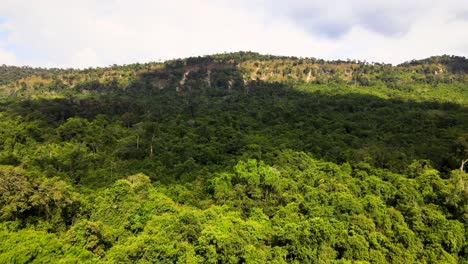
235 158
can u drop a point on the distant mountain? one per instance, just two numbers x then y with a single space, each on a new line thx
246 67
454 64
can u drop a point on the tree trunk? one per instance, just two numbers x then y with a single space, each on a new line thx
151 147
462 167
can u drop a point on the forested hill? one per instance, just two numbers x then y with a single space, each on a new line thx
254 66
235 158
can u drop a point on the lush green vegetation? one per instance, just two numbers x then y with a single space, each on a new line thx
235 158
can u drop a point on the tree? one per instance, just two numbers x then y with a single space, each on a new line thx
15 192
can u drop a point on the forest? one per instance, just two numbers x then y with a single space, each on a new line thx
235 158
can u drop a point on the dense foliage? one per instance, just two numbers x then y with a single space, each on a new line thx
235 158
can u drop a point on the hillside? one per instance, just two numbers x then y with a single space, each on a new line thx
235 158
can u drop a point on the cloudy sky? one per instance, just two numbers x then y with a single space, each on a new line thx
84 33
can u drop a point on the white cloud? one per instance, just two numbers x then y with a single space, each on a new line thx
85 56
7 58
99 33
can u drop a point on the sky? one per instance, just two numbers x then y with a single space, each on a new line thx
91 33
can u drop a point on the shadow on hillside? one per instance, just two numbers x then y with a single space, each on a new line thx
213 118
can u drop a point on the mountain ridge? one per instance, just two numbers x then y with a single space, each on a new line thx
244 67
250 55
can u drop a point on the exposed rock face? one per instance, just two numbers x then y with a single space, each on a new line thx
309 75
230 83
182 81
208 78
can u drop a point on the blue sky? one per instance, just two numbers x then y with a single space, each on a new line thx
58 33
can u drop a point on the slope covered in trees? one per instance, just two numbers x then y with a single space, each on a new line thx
235 158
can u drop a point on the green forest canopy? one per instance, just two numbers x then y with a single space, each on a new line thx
235 158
